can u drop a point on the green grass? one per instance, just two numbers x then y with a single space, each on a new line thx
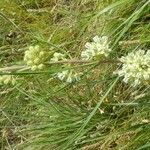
46 114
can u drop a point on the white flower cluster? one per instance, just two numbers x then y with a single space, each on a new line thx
98 47
7 79
34 57
57 57
67 75
136 67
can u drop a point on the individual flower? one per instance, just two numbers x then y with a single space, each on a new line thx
99 47
136 67
7 79
35 57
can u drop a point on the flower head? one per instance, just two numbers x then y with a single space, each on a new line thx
35 57
98 47
136 67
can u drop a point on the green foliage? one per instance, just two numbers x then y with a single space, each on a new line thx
98 112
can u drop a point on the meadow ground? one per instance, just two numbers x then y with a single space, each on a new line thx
97 112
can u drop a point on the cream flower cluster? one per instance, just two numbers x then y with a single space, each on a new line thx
35 57
136 67
7 79
98 47
66 75
57 57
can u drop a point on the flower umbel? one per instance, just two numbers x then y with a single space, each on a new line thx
136 67
35 57
98 47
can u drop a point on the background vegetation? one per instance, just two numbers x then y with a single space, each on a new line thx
98 112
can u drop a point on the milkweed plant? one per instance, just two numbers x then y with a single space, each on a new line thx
134 68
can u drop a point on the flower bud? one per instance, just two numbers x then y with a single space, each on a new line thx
41 66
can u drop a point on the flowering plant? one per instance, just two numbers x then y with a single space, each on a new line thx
136 67
34 57
98 47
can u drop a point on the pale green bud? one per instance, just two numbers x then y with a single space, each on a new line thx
25 58
27 52
29 63
37 47
41 66
31 48
36 60
41 54
33 68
